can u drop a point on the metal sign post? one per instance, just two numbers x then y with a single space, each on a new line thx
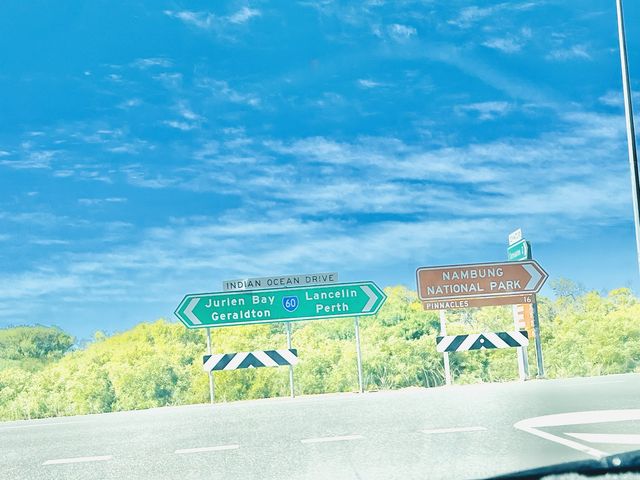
443 332
521 352
519 250
358 354
211 391
291 386
631 135
536 331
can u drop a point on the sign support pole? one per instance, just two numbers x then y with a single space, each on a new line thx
291 386
521 354
211 391
358 353
443 332
536 332
631 136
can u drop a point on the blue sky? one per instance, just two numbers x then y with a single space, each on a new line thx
151 149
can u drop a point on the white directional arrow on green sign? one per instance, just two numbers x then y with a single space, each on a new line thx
280 305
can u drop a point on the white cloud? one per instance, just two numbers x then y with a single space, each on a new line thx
506 45
136 176
212 22
116 78
144 63
131 146
35 284
100 201
243 15
30 157
401 32
518 87
576 52
329 99
48 242
468 16
202 20
130 103
378 175
613 98
485 110
186 112
310 194
171 81
179 125
222 90
368 83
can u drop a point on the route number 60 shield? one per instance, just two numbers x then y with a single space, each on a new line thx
290 303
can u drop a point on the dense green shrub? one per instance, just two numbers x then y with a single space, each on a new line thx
160 363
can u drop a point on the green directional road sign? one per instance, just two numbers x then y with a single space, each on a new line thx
519 251
225 309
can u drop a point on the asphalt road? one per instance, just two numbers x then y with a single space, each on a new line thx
450 432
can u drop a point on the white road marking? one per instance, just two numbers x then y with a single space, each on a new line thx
454 430
332 439
61 461
581 418
563 441
207 449
532 425
618 438
589 383
31 425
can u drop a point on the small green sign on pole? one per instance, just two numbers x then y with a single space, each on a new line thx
519 251
224 309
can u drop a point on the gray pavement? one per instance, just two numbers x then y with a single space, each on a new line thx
448 432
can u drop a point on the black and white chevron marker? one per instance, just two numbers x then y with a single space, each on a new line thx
477 341
259 358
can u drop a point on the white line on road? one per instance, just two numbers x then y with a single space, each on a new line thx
332 439
533 425
208 449
594 452
454 430
31 425
61 461
618 438
580 418
588 384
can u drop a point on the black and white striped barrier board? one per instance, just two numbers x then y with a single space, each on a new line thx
260 358
476 341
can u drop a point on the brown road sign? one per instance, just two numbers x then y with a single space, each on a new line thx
479 280
478 302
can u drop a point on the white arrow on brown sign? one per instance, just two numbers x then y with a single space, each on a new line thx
481 280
